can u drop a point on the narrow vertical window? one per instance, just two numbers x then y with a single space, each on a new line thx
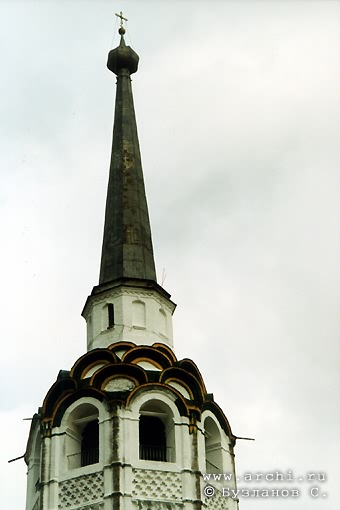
110 316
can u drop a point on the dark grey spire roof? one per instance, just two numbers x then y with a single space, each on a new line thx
127 246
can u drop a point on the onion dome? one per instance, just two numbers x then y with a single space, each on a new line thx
122 57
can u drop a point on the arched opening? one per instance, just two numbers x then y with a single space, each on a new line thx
213 450
156 432
82 436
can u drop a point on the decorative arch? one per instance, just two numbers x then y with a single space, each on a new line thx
138 353
210 405
63 386
64 406
167 351
90 359
188 380
103 375
167 394
189 366
81 423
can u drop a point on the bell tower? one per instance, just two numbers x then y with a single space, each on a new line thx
129 426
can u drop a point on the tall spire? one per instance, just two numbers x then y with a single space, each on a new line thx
127 246
128 305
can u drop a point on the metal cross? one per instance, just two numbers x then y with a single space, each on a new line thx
120 15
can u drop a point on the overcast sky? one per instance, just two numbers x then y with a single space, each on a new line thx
237 107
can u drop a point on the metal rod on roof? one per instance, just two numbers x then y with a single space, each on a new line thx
17 458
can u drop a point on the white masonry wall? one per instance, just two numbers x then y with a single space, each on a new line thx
142 484
140 316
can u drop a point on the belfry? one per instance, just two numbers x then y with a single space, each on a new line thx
129 426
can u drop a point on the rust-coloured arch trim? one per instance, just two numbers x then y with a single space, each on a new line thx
90 359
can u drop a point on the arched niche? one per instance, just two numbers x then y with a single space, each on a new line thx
163 325
138 314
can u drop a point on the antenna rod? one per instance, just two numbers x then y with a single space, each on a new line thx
17 458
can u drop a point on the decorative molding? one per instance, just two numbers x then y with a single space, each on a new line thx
217 502
80 491
114 293
179 387
159 485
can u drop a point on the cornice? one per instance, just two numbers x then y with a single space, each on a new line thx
116 292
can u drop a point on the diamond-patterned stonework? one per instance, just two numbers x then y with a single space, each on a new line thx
156 505
216 502
81 491
149 484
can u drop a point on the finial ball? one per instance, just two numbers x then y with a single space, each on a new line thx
121 31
